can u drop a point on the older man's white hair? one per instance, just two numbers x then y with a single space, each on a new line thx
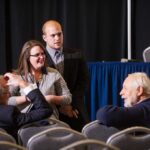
141 79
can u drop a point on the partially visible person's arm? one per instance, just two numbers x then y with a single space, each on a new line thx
17 100
63 95
41 108
82 80
120 116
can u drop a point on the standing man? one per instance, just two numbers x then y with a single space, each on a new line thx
70 63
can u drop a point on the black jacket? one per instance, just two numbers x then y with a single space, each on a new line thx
76 77
124 117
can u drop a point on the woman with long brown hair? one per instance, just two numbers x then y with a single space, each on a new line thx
33 69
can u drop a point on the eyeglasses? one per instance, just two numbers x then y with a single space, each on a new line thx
38 55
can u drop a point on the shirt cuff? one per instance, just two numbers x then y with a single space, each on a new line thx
29 88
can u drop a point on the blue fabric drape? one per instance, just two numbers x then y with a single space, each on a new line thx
106 80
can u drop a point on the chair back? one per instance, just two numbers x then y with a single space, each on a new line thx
95 130
131 138
5 145
54 138
28 130
4 136
146 54
89 144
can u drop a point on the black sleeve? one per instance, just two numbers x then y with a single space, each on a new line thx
120 116
41 109
81 81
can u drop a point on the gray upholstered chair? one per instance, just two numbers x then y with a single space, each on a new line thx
89 144
54 138
4 136
5 145
28 130
131 138
95 130
146 54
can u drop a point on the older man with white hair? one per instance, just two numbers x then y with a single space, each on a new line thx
136 110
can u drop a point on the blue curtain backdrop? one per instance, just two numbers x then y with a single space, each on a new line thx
106 80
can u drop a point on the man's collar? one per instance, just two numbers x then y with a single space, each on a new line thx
52 51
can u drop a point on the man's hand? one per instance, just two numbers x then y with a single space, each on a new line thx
15 80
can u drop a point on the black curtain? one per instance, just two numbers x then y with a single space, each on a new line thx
99 27
140 27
